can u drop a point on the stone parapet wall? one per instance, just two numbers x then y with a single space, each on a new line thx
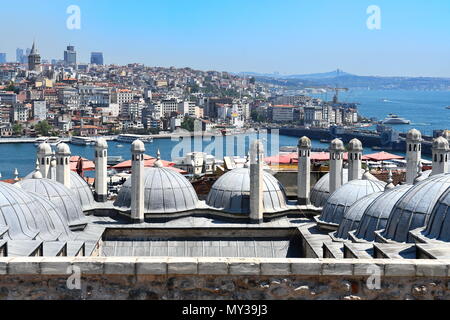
222 278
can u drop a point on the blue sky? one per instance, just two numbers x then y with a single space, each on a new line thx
289 37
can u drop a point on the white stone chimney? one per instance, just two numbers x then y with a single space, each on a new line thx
336 164
101 168
256 181
413 154
63 164
137 181
44 157
304 171
440 153
355 150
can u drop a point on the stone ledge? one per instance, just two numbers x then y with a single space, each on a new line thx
224 266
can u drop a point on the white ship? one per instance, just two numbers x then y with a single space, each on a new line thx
82 141
129 138
395 119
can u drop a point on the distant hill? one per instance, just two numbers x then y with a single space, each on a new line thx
344 79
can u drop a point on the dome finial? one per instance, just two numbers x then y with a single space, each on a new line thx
419 176
16 175
36 175
158 163
390 181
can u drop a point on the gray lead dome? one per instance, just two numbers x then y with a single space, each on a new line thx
231 193
377 213
438 226
345 196
413 209
165 191
353 215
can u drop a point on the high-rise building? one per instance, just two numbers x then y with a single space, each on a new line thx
97 58
34 59
70 56
2 57
19 55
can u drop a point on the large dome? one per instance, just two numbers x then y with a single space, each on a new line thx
80 187
231 193
321 190
344 197
166 191
63 198
438 226
352 216
27 217
413 209
377 213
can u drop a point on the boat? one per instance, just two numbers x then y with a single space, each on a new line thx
113 160
40 140
119 146
129 138
53 141
447 107
82 141
395 119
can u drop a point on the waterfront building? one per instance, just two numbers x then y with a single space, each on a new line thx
283 113
39 110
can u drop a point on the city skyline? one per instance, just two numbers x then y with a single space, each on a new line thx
289 38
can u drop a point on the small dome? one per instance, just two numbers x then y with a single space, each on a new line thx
438 226
137 146
63 198
440 143
165 191
354 213
304 142
231 193
413 209
337 145
414 135
377 213
44 149
338 203
355 145
83 191
321 190
101 144
63 149
26 217
446 135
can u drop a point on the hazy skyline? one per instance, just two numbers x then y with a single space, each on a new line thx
289 37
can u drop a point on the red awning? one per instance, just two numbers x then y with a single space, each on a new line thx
88 165
148 162
382 156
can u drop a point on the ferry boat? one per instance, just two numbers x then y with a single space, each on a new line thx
53 141
129 138
40 140
447 107
395 119
82 141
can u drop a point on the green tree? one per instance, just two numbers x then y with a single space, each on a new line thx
43 128
17 129
188 124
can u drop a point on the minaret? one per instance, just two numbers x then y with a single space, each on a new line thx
101 168
256 182
137 181
413 154
440 151
336 162
44 156
354 159
63 164
304 171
